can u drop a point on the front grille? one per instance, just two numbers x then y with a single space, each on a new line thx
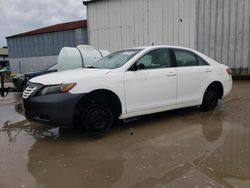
28 91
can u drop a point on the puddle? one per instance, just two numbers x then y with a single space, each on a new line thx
181 148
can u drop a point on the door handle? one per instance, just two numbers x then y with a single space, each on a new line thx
171 74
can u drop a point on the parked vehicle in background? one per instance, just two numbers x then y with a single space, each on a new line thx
7 70
69 58
21 80
126 84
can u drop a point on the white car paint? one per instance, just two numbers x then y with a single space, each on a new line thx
144 89
147 91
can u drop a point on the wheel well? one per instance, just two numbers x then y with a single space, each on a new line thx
218 88
101 96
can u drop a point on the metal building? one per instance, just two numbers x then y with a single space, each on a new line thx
218 28
36 50
4 61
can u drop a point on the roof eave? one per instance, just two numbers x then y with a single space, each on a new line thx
54 28
86 2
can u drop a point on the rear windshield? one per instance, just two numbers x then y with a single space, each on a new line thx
115 60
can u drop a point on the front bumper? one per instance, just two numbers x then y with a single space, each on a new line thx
54 109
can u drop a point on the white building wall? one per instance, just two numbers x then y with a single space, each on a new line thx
224 32
218 28
118 24
31 64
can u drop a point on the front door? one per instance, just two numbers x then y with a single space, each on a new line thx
153 85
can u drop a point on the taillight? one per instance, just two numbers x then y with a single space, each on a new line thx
229 71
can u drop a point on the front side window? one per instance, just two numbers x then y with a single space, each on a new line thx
115 60
159 58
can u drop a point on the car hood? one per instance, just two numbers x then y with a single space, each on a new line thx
68 76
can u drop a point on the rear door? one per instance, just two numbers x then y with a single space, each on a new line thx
192 73
153 85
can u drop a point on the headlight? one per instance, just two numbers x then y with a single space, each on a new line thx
62 88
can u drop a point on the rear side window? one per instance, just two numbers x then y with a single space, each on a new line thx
201 61
159 58
185 58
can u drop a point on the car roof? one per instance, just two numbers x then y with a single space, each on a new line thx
159 46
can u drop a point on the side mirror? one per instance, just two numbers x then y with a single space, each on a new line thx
135 67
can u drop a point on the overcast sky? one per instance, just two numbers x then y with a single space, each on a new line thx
17 16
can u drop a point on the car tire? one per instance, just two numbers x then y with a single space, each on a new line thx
97 120
210 100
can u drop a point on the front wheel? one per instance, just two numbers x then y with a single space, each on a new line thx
97 119
210 100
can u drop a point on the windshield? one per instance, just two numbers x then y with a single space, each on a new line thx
115 60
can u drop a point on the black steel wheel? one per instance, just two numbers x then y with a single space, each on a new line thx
97 120
210 100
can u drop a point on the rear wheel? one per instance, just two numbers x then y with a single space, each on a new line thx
97 119
210 100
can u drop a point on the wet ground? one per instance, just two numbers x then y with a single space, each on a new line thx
182 148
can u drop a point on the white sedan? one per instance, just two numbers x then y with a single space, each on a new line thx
125 84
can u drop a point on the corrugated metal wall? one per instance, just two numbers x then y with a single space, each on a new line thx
37 52
223 32
218 28
32 64
46 44
116 24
